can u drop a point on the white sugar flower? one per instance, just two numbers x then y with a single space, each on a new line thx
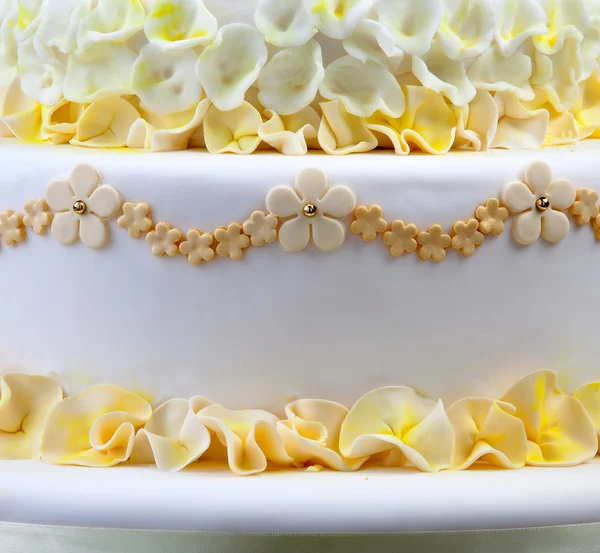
338 18
566 19
165 80
438 72
59 23
290 81
8 44
539 203
99 72
285 23
558 75
180 24
516 22
467 29
363 88
314 209
230 65
412 24
42 72
28 15
497 72
113 21
83 207
371 41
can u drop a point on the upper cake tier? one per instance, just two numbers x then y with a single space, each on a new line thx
343 76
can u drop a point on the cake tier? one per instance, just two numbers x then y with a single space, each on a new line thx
373 500
274 325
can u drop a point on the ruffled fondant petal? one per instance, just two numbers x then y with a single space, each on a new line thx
341 133
25 403
290 135
338 18
21 115
559 430
233 131
477 122
285 23
363 88
589 396
94 428
516 22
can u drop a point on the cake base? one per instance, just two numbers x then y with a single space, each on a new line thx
294 502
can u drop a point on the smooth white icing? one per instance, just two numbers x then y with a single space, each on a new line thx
275 325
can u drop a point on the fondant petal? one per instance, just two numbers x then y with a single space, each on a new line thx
328 234
105 201
555 226
311 184
65 227
338 201
527 227
561 194
538 176
517 197
93 231
59 195
283 202
294 235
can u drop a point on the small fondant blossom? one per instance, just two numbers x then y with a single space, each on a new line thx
466 236
261 228
539 202
433 243
25 403
38 216
231 241
491 217
95 428
164 239
559 430
401 238
487 430
585 208
313 210
311 434
250 436
83 207
136 218
12 228
400 422
198 247
368 222
173 437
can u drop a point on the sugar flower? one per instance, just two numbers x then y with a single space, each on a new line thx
261 228
231 241
491 217
433 243
368 222
38 216
401 238
164 240
400 422
338 18
312 210
234 131
136 219
285 23
585 208
466 236
198 247
539 203
83 207
12 228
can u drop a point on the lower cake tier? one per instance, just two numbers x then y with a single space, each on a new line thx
270 325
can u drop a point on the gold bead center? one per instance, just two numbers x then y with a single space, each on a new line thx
310 210
542 203
79 207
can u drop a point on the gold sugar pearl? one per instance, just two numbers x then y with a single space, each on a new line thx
542 203
310 210
79 207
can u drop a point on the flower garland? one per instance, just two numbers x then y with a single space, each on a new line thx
79 208
534 424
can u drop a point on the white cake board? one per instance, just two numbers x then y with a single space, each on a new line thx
373 500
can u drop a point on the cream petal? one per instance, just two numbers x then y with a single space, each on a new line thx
327 413
294 235
561 194
538 176
517 21
328 234
41 72
589 396
93 231
412 24
559 430
25 403
338 18
566 19
81 419
527 227
65 227
283 202
518 127
478 124
59 195
555 226
341 133
285 23
517 197
21 115
311 185
363 88
84 179
371 41
338 201
291 135
105 201
234 131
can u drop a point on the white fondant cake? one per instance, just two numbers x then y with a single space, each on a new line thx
301 311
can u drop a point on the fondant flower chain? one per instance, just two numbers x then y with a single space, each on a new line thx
534 423
311 211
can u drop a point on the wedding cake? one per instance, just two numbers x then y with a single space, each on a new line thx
198 282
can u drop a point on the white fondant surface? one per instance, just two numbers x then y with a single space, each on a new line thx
297 502
276 325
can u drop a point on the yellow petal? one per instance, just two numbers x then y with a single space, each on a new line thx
21 115
25 403
233 131
341 133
